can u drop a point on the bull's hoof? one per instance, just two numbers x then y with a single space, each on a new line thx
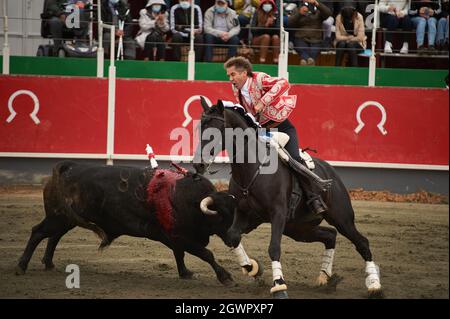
228 282
375 294
226 279
189 275
282 294
20 271
48 265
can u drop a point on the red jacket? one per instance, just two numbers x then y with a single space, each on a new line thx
273 93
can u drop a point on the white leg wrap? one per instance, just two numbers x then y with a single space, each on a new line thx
327 262
276 270
373 276
241 255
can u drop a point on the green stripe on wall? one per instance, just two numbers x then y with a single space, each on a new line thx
215 72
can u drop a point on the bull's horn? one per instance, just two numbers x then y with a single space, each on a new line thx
204 206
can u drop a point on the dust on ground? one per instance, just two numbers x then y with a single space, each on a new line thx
409 241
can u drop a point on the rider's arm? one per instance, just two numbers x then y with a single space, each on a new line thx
275 87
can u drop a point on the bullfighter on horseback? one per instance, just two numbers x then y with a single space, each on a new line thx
268 100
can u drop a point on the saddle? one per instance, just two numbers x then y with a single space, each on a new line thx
278 140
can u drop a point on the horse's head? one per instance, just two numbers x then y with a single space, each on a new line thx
212 135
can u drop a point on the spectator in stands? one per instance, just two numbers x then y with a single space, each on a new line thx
113 12
394 14
308 38
221 27
328 24
266 30
55 18
423 15
442 27
154 24
350 35
180 25
245 10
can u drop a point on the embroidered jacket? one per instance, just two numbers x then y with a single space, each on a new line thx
273 93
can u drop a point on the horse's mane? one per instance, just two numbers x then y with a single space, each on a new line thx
247 117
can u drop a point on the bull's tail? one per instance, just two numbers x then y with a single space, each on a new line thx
61 184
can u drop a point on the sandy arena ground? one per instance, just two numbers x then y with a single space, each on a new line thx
410 243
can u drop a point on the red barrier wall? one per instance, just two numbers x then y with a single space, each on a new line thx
73 115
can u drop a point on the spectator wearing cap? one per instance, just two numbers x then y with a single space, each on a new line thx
221 27
154 25
350 35
266 30
394 14
308 21
180 25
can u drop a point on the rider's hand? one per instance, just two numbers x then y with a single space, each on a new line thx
259 107
119 33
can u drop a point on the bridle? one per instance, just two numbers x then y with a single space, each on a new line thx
244 190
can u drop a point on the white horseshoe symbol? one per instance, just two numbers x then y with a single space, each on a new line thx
380 125
186 108
32 114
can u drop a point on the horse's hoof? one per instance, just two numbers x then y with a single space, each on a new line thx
322 280
19 271
256 271
281 294
375 294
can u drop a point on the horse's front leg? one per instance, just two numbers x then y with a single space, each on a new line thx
249 266
233 239
279 288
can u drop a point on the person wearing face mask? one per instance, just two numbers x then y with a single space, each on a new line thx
350 35
308 37
180 25
266 30
245 10
221 27
154 25
112 12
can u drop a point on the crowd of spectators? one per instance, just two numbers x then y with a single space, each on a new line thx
313 26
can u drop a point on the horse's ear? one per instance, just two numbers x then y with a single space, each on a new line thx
220 106
204 104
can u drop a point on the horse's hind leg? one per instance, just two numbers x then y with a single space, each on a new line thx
348 229
325 235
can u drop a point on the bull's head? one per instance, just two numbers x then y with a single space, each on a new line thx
220 207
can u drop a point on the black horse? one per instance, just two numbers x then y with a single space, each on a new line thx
265 198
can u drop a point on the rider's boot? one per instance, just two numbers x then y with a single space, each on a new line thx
315 203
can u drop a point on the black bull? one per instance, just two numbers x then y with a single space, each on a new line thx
112 201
